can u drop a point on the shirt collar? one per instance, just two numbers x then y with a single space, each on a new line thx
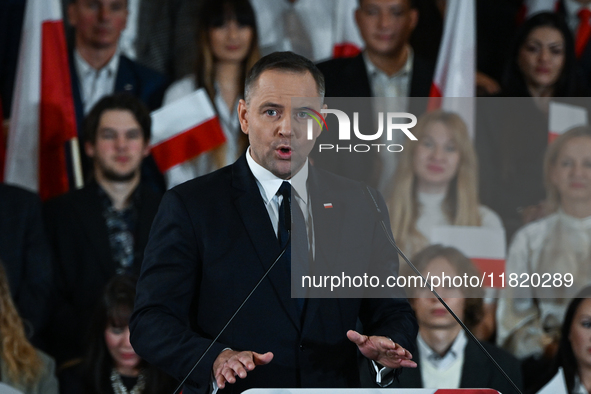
442 362
84 68
583 224
271 183
373 71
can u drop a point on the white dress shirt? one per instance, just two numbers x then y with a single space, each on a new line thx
95 84
442 371
390 86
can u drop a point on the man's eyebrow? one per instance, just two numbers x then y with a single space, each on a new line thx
269 104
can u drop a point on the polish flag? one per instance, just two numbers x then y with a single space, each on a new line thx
455 72
183 130
42 119
348 41
485 246
563 117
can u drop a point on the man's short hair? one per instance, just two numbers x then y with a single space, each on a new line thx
283 61
117 101
411 3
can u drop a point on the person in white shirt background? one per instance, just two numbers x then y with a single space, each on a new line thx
227 49
529 320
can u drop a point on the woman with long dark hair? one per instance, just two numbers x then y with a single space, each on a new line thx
111 366
573 360
227 43
542 60
512 132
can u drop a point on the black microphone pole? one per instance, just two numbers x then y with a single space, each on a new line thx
428 285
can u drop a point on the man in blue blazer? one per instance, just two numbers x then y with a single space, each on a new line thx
98 68
215 236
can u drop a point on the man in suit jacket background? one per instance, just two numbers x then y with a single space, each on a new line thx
99 68
447 358
100 230
215 236
387 67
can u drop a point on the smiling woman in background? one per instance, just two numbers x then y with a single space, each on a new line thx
512 132
227 49
111 365
436 183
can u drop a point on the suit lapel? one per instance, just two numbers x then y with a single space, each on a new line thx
327 233
476 369
411 377
254 215
126 80
359 79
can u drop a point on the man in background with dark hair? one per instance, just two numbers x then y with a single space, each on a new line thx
388 67
102 229
215 237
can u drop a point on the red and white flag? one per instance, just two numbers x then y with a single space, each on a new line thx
347 39
455 73
42 119
181 131
563 117
485 246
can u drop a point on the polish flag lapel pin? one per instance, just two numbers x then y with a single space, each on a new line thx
327 205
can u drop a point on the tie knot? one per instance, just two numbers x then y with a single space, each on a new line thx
584 14
285 190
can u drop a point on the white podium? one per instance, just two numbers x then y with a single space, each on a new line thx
372 391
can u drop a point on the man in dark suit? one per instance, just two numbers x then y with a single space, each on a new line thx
447 358
100 230
215 236
387 67
26 255
386 27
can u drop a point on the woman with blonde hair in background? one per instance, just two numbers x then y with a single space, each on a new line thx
227 49
436 183
21 365
558 245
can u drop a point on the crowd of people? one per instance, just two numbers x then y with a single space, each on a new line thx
67 278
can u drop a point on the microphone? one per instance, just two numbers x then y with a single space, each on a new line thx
180 386
428 285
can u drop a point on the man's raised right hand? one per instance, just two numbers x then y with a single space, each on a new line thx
231 363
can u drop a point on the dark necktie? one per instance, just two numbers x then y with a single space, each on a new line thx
297 252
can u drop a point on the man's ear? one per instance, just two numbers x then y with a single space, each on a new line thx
72 19
147 149
89 149
243 116
414 18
